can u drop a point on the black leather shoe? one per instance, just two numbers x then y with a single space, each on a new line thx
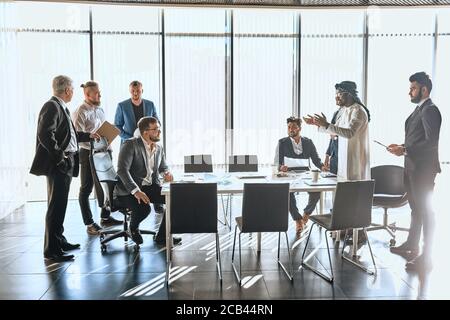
70 246
136 236
405 248
110 222
59 257
162 241
419 264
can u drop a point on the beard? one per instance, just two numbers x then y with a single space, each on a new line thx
292 134
95 103
155 139
418 98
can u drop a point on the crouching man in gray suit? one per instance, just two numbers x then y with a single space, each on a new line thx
141 162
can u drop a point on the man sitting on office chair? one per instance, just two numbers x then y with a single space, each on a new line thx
141 161
298 147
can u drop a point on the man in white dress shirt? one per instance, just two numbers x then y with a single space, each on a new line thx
88 117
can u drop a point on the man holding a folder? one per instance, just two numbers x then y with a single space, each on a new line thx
89 117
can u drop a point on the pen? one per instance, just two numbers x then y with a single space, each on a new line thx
380 143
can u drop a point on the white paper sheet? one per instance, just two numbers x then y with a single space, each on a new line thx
295 163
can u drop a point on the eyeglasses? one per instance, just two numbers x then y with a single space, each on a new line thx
155 129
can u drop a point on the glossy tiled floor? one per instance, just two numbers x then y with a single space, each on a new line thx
122 273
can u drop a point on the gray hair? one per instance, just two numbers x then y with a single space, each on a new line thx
60 84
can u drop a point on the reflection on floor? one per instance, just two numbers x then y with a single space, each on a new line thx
123 273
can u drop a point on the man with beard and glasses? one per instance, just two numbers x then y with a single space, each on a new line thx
421 154
298 147
88 118
141 162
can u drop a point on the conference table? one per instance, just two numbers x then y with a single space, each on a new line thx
233 183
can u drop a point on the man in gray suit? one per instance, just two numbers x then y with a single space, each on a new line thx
421 166
141 162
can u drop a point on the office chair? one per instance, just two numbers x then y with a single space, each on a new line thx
265 208
243 163
193 209
202 163
238 163
389 193
198 163
105 175
352 209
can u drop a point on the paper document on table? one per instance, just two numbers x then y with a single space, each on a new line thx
107 130
296 163
186 178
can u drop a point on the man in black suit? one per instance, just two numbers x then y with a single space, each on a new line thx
57 158
298 147
421 166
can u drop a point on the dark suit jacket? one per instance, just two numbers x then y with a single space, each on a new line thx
132 166
52 138
309 151
422 139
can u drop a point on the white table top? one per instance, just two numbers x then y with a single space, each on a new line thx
230 183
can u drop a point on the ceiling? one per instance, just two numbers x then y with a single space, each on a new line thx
279 3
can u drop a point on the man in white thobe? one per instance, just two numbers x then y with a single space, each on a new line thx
352 126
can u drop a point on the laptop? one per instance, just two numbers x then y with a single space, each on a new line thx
299 169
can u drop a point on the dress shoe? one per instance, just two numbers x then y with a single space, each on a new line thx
59 257
93 229
162 241
405 248
419 264
70 246
136 236
110 221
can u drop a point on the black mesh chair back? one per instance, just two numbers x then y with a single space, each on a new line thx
265 207
243 163
388 180
193 207
390 192
352 207
198 163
